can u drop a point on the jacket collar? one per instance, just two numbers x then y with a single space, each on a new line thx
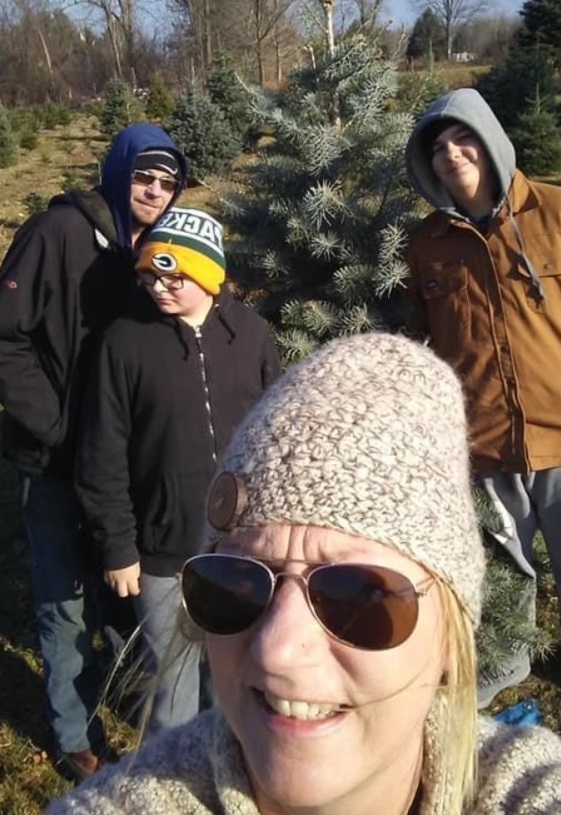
522 196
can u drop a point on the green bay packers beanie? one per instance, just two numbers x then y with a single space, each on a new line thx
189 242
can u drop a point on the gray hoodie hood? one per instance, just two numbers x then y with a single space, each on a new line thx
467 106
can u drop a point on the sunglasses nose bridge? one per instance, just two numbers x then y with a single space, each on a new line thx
302 579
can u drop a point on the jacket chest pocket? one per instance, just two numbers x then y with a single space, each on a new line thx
548 269
444 290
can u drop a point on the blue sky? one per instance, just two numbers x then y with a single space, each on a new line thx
403 12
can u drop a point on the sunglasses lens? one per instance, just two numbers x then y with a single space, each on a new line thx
371 608
145 179
225 594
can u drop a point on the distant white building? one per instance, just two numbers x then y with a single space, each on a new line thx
463 56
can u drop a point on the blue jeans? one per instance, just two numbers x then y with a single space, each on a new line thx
65 589
176 672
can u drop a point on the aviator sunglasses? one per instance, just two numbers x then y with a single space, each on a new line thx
368 607
145 179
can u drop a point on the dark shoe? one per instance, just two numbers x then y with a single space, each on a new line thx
107 755
77 766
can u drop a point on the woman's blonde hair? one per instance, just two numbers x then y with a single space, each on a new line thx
452 724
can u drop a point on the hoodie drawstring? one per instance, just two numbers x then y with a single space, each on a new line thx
536 282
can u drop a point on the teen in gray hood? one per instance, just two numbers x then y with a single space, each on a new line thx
468 107
485 289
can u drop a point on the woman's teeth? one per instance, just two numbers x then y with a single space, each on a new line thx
304 711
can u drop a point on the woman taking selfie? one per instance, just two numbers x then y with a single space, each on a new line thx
337 593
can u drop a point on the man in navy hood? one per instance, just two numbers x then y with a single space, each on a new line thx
67 275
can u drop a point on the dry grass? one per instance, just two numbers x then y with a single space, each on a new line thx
64 157
461 75
454 74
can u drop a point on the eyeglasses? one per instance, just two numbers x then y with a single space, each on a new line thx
171 282
145 179
368 607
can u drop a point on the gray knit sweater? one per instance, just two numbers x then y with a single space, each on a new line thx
197 769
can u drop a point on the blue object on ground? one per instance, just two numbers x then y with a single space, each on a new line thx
524 714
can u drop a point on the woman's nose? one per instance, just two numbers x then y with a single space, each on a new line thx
289 635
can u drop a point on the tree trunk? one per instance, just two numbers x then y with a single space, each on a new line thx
113 39
45 51
207 35
330 44
329 33
258 42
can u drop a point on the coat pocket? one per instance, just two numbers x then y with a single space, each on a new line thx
444 290
175 521
548 269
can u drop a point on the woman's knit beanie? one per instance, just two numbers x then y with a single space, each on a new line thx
366 436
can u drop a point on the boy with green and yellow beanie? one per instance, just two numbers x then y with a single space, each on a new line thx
172 382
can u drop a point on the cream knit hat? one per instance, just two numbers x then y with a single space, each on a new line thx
366 436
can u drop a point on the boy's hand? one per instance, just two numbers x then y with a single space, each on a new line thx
124 582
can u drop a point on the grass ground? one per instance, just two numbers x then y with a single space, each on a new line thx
67 157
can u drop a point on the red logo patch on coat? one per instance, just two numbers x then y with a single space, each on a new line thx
11 284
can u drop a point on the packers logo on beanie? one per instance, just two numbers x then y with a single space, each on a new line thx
189 242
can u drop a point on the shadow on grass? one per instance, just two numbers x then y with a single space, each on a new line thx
22 701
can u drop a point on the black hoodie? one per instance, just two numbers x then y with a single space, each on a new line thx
163 402
67 275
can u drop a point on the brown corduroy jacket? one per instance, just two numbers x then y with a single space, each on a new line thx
474 299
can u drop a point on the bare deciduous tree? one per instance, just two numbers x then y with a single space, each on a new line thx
451 13
119 18
252 30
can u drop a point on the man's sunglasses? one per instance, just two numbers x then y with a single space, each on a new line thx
368 607
145 179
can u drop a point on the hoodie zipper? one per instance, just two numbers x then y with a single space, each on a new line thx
199 339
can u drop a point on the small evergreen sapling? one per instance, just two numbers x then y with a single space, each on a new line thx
160 102
227 92
537 140
511 85
204 135
8 143
120 108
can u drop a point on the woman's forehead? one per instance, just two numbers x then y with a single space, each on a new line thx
315 544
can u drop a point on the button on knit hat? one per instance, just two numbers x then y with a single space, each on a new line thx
189 242
366 436
156 159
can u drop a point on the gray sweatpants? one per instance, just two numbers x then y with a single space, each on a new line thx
526 504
